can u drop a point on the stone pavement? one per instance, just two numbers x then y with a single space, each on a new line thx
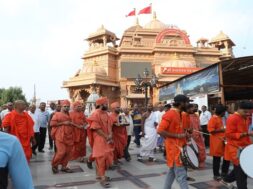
131 175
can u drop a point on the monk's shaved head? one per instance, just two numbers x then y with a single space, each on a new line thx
20 105
18 102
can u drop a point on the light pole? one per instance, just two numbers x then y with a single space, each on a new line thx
145 83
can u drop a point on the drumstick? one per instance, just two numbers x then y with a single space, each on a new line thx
217 137
208 134
201 132
180 148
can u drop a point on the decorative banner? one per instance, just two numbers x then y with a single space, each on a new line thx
202 82
178 70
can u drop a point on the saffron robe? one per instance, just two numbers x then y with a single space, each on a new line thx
119 137
21 125
80 135
102 151
64 139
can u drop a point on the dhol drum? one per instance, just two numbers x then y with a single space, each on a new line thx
194 146
189 157
246 162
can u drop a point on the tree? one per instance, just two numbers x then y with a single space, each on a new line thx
11 94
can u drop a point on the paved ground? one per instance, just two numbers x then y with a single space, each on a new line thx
131 175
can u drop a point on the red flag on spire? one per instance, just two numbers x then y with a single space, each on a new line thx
132 13
146 10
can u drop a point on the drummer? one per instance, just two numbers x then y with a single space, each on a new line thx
238 138
186 121
197 136
172 130
217 145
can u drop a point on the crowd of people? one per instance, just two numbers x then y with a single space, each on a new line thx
109 130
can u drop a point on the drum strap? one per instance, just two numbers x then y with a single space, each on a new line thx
239 151
3 177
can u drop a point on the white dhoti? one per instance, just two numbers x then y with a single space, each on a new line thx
150 139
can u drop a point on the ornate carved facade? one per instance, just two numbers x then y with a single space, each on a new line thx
109 68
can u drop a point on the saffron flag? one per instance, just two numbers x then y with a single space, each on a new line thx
146 10
132 13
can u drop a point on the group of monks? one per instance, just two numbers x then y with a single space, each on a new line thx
69 135
69 131
107 137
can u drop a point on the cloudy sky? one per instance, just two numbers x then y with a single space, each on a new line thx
42 41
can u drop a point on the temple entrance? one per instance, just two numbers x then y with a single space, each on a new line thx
139 101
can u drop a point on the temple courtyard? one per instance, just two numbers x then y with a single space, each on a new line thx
130 175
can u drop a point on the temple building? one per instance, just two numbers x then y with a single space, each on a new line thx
111 64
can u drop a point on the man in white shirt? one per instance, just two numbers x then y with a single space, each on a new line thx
205 116
130 129
159 113
36 127
6 111
43 122
51 110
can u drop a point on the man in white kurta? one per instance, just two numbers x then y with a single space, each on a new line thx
159 113
149 124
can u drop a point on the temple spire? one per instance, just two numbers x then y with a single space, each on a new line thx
34 95
154 15
137 21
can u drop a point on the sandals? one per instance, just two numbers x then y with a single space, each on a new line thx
82 160
105 184
89 164
66 170
55 170
106 178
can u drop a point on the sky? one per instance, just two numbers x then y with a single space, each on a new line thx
42 41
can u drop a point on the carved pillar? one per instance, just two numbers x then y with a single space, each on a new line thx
226 47
104 40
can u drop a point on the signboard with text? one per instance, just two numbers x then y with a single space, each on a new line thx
178 70
202 82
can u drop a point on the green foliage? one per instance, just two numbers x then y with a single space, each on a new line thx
11 94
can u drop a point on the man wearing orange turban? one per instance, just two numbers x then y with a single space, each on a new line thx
64 137
100 137
78 118
99 102
119 132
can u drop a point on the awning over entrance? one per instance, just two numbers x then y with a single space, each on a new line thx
236 80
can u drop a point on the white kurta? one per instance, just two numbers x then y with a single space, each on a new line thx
150 138
130 127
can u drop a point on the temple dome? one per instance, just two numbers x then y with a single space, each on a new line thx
155 24
220 37
135 27
94 68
